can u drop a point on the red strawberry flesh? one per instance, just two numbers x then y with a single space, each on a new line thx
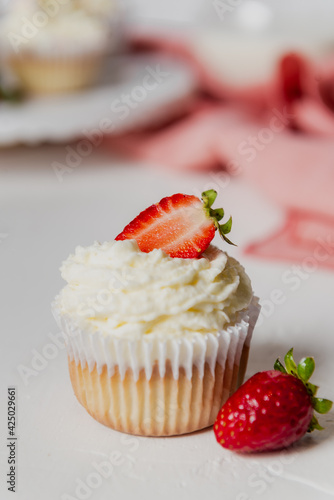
178 225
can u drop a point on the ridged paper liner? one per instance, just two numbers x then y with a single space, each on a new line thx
157 387
100 350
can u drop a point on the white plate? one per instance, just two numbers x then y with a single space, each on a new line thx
155 85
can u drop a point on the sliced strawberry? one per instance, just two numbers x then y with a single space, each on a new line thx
181 225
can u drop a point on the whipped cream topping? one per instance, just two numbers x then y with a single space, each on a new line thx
58 27
116 289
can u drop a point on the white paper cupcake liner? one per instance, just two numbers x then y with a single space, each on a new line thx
154 387
99 350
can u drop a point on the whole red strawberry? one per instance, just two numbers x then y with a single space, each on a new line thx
182 225
272 410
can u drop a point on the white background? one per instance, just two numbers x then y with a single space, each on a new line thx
42 220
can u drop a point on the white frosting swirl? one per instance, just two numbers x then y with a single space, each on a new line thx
117 289
61 27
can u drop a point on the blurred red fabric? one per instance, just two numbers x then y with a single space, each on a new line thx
278 135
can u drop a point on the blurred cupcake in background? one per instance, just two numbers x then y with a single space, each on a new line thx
58 45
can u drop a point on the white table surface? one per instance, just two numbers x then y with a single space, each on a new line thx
41 221
151 85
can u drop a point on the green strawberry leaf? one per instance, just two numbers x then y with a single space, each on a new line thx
218 213
322 405
303 372
227 240
314 424
290 364
278 366
209 197
226 228
305 369
311 388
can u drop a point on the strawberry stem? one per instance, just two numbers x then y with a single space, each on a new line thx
303 372
208 198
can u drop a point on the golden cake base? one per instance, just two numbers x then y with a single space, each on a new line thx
161 406
55 75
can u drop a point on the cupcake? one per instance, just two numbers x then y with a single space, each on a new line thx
157 340
57 46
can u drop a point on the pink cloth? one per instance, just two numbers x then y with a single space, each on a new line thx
279 135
